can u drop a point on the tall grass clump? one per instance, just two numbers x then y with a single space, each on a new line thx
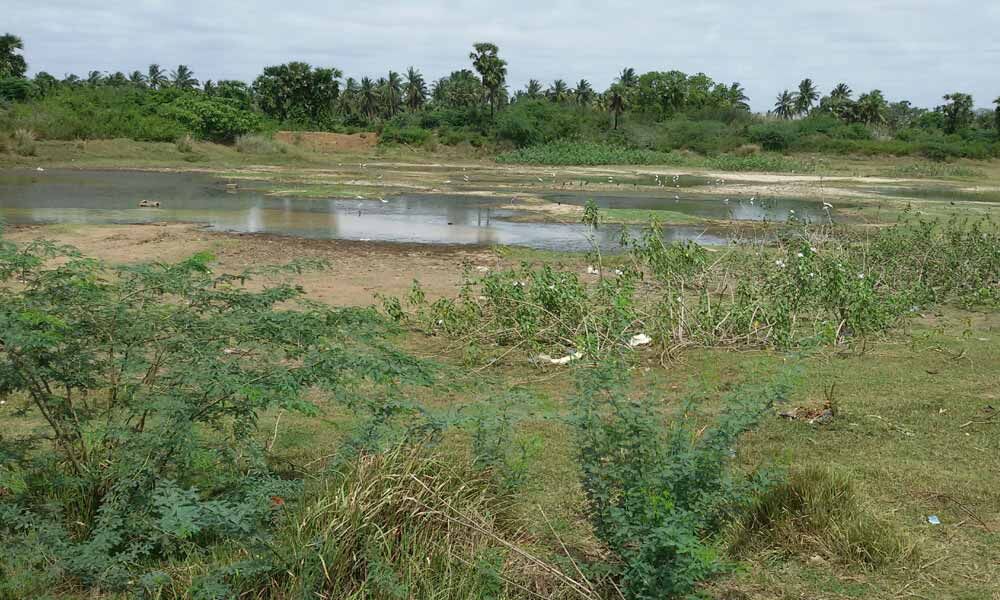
24 142
817 511
402 524
259 144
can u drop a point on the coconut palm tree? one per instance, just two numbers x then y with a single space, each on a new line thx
392 93
996 117
156 78
347 100
871 107
785 106
368 98
533 90
95 78
616 101
841 92
806 96
559 92
584 93
183 78
628 78
492 71
737 96
116 79
137 79
208 87
12 63
415 90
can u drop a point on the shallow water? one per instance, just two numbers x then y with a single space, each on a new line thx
938 193
67 196
740 207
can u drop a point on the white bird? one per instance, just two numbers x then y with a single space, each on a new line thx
40 170
383 200
827 205
541 180
359 197
466 178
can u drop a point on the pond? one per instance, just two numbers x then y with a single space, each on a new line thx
81 197
738 207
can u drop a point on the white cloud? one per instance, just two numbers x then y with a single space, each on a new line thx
913 49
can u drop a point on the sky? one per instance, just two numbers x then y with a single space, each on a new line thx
917 50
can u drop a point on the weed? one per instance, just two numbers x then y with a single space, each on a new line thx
24 142
185 144
660 501
819 511
259 144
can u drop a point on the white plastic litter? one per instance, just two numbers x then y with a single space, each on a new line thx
640 339
482 269
934 520
545 358
592 270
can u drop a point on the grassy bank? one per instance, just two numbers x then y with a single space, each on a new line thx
494 494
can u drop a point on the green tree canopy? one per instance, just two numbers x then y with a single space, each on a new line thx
296 91
492 70
12 63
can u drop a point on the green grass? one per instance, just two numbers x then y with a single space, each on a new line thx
895 453
638 216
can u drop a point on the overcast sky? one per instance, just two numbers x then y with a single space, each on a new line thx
911 49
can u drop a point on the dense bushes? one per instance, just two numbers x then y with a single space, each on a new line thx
584 153
124 112
147 407
212 119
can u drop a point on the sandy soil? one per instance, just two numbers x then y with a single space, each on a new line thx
358 270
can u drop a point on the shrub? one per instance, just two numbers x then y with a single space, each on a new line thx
259 144
584 153
185 144
413 136
774 138
660 502
149 380
214 119
17 89
24 142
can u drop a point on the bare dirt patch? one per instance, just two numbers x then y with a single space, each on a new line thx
321 141
357 270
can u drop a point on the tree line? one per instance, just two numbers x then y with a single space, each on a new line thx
477 99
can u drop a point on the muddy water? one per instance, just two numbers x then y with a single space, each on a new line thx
81 197
738 207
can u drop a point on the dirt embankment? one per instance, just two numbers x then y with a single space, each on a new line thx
321 141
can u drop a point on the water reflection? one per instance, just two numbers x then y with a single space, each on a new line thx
113 197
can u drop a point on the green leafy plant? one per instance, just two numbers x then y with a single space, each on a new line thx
659 501
149 380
